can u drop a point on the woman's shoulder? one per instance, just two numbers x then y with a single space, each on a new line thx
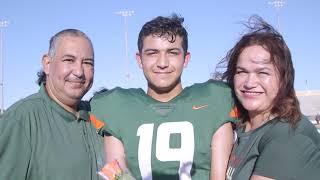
282 131
294 149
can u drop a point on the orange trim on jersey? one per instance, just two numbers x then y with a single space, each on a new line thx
234 113
96 122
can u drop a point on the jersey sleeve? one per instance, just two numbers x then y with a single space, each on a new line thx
106 109
15 148
222 103
295 157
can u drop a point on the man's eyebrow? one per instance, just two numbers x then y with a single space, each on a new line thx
88 59
174 49
69 56
148 50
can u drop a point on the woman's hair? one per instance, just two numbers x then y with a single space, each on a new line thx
285 104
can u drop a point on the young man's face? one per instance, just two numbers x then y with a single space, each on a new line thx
70 71
162 63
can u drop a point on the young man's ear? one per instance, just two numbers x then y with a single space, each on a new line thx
46 60
138 59
186 59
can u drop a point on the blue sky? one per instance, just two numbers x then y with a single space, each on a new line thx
213 26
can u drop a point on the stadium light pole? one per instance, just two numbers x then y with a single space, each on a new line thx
307 86
125 14
278 4
3 24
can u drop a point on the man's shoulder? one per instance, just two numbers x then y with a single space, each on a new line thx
23 109
26 104
116 95
211 89
118 91
211 85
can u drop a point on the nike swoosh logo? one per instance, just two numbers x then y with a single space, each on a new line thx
195 107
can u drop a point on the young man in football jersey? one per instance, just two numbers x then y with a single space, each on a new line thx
170 132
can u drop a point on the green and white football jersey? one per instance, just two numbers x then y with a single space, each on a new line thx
169 140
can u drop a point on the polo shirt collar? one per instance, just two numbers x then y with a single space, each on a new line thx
83 107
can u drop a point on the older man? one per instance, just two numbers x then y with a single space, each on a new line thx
48 135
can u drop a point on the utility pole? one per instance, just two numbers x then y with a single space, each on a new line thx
307 88
278 4
3 24
125 14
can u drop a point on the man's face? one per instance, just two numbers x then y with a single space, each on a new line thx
162 63
70 70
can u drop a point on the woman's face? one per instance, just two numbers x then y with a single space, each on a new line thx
256 81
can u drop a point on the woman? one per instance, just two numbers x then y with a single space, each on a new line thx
275 141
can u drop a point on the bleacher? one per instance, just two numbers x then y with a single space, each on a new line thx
310 104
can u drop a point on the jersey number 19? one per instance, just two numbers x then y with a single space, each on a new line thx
164 153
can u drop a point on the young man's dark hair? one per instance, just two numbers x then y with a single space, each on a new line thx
166 27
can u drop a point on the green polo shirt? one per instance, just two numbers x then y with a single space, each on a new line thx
40 140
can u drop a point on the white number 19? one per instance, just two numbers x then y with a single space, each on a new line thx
184 154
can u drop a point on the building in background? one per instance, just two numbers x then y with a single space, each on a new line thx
310 104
